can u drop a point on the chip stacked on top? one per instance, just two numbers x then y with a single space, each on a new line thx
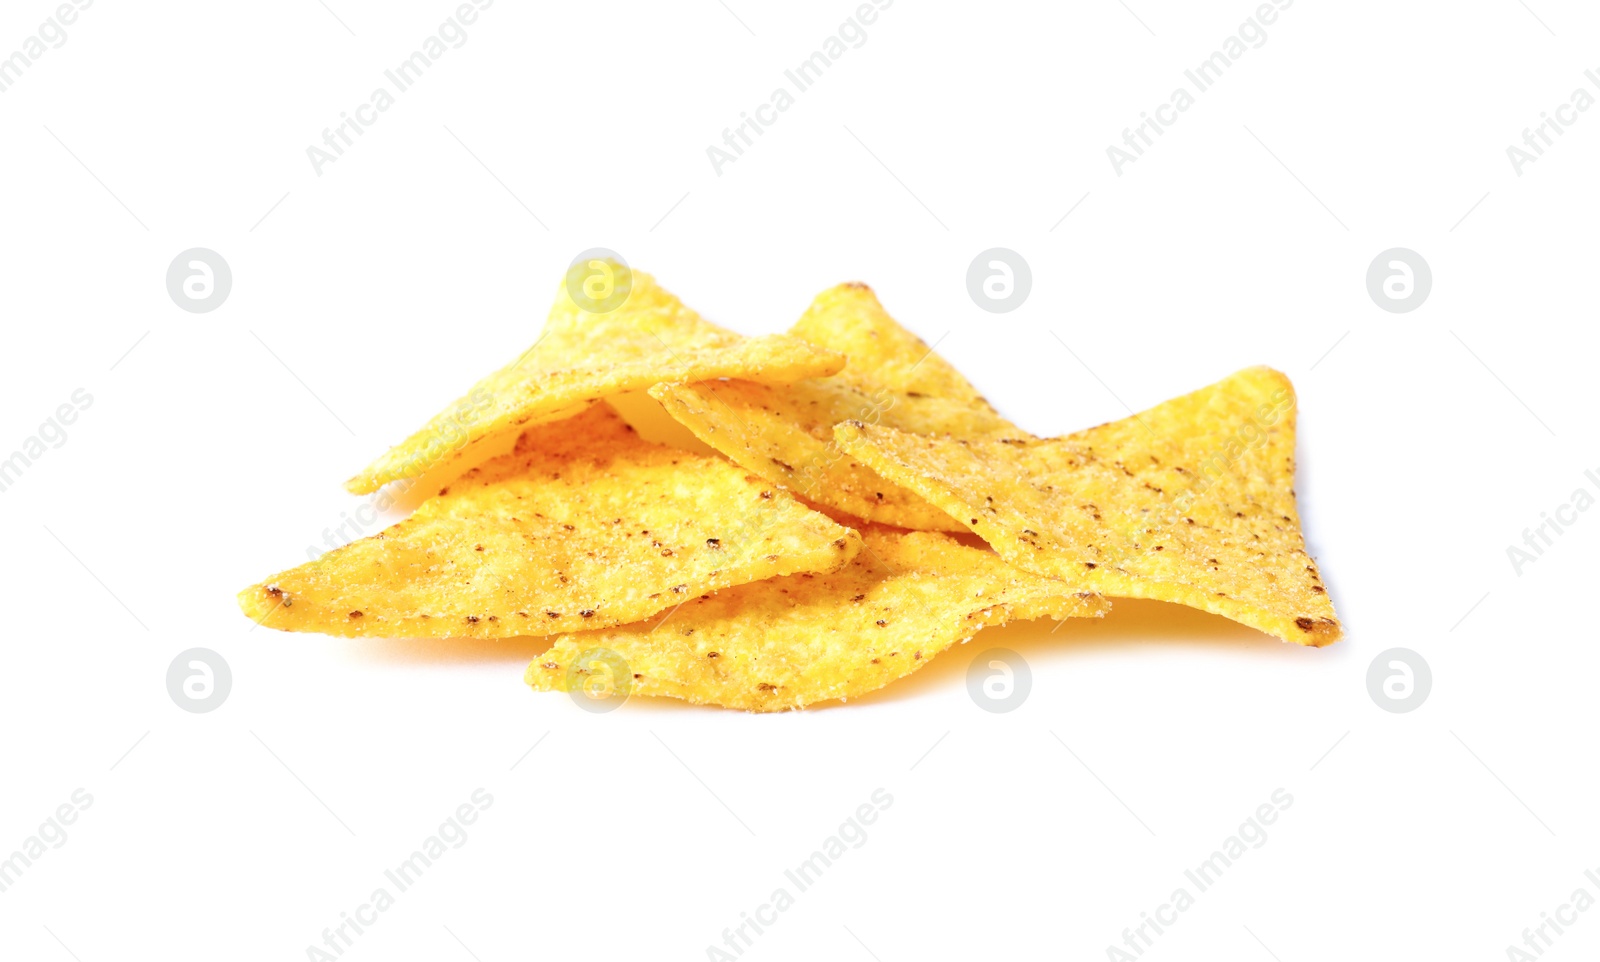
784 432
584 525
584 355
1191 501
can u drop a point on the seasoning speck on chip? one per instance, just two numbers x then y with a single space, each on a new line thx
1191 501
827 544
581 357
785 432
552 528
791 642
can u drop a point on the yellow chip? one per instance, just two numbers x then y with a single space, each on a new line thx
585 525
795 641
785 432
1191 501
584 356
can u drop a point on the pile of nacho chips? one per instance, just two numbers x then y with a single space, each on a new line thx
814 554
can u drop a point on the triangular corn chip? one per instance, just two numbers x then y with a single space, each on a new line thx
1191 501
584 525
794 641
581 357
785 432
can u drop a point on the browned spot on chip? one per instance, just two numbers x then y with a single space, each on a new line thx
803 636
547 528
785 432
1225 523
582 357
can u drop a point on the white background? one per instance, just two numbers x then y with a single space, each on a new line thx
367 297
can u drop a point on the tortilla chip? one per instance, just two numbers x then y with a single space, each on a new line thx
785 433
584 525
1191 502
795 641
581 357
